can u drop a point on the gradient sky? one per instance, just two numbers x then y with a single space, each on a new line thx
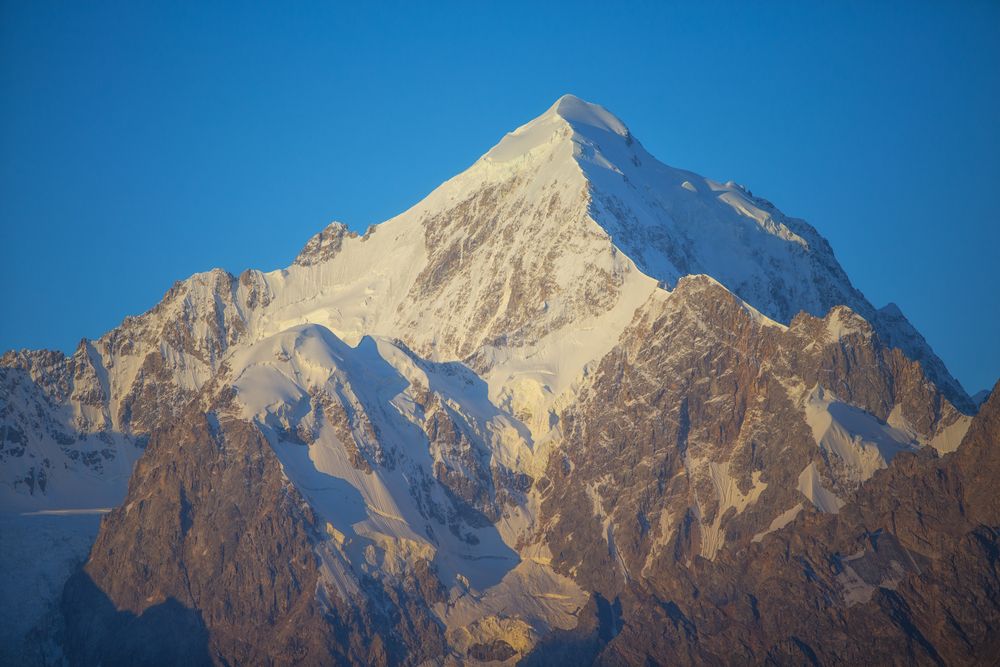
143 142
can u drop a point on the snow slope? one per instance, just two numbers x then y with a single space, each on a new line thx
38 552
856 441
320 401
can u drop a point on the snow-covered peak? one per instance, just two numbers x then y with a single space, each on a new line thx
570 119
544 231
581 114
670 221
527 267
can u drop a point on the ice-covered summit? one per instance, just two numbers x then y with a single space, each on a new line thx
672 222
569 119
579 113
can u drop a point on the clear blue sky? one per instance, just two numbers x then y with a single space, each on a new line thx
142 142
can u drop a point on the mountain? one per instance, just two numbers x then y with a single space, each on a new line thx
980 397
501 426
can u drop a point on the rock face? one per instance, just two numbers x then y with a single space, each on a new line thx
191 534
214 541
707 425
574 406
324 245
909 564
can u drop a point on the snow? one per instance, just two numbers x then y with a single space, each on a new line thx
370 516
856 590
561 119
855 443
779 522
38 552
950 437
811 486
843 322
536 378
859 442
531 593
673 222
713 536
577 112
607 526
71 482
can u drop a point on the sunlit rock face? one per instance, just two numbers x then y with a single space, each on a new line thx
574 406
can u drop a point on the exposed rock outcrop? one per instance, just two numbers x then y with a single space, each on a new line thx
909 564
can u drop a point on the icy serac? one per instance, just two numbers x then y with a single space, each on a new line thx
568 369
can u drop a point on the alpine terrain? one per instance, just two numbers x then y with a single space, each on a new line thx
574 407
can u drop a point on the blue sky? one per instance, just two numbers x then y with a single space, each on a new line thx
142 142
